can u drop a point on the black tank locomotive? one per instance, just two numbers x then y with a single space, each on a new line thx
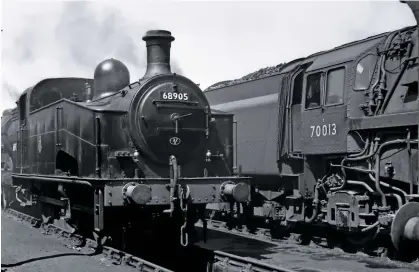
120 154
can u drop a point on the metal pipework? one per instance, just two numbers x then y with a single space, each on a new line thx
239 192
377 166
138 193
414 6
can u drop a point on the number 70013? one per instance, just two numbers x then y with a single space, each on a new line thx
323 130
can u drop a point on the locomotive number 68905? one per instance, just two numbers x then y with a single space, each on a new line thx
174 96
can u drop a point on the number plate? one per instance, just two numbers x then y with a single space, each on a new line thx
174 96
323 130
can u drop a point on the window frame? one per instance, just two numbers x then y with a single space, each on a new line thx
321 72
323 85
294 76
373 72
327 72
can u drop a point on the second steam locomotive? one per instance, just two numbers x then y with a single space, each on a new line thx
331 141
118 154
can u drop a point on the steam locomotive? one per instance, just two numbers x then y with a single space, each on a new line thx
121 155
331 141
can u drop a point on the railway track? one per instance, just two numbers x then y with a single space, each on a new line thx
230 262
78 242
218 260
316 256
259 233
265 234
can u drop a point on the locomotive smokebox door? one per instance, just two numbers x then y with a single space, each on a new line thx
169 115
324 111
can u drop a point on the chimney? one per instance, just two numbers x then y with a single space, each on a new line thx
158 52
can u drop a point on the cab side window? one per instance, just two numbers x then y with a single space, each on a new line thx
364 72
313 91
335 86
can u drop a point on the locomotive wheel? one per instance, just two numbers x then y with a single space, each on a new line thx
405 230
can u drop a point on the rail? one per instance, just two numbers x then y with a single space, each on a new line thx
221 261
116 256
228 262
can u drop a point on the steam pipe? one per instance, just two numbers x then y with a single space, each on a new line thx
414 6
377 179
398 198
354 159
409 151
352 168
370 227
399 76
377 167
390 187
382 74
367 143
356 182
393 188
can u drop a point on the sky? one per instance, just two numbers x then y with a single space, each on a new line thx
215 41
